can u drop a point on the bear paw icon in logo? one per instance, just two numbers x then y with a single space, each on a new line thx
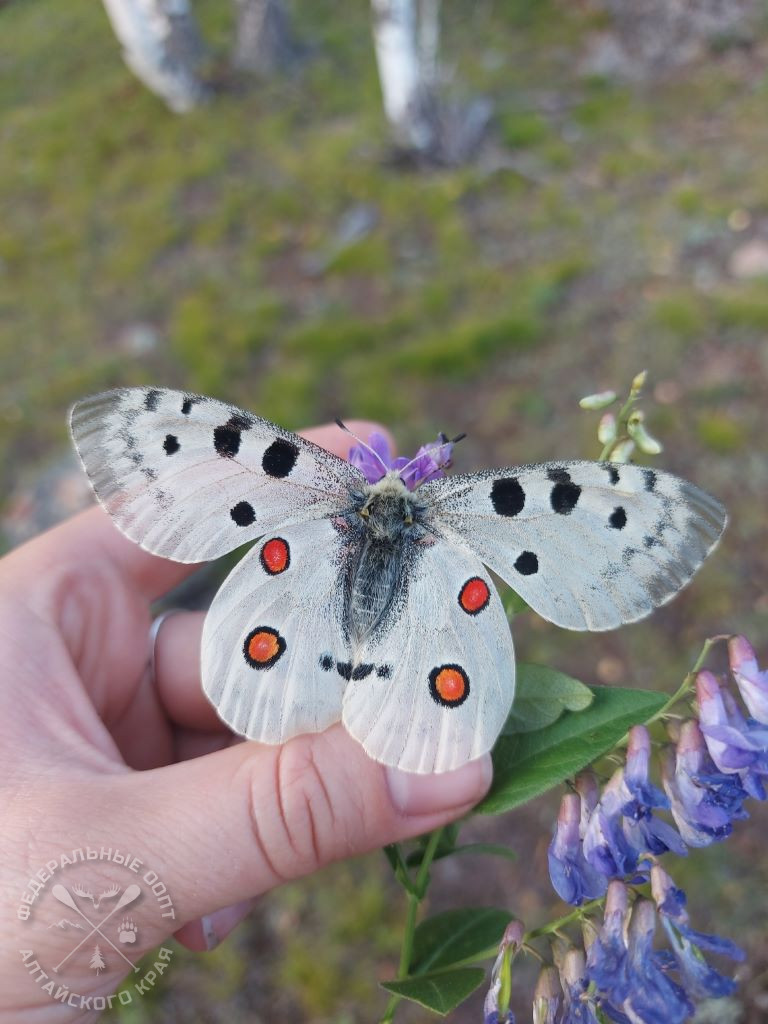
128 931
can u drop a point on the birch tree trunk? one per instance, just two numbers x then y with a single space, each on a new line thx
264 41
406 37
163 47
406 45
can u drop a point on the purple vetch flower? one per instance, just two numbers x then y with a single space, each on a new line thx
752 683
653 997
607 956
578 1006
375 460
496 1006
736 744
573 878
704 801
700 980
644 832
547 997
605 845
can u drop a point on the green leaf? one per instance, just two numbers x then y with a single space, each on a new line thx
457 937
541 695
488 849
441 991
513 603
528 764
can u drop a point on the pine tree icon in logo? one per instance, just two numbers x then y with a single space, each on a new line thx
97 960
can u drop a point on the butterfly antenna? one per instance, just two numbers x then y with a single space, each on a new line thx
360 441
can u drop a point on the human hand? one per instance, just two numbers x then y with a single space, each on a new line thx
98 753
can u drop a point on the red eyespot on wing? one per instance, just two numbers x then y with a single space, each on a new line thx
449 685
275 556
263 647
474 595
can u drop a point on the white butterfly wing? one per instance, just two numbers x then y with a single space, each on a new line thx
433 685
273 636
190 478
588 545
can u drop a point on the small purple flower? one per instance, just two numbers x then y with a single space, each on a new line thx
607 956
653 997
704 801
573 878
736 744
605 845
578 1006
699 979
752 683
375 460
644 832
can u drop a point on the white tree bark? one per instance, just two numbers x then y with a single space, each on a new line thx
264 42
162 46
405 36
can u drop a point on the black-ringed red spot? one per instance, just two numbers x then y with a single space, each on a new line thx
275 556
263 647
449 685
474 595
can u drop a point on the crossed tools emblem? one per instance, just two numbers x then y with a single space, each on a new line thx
63 895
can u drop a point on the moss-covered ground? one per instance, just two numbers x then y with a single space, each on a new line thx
213 252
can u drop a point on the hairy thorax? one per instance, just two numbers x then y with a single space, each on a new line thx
392 520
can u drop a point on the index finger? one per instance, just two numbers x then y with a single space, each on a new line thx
91 536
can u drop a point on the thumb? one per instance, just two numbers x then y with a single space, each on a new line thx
233 824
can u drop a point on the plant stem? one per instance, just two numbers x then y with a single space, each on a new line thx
415 896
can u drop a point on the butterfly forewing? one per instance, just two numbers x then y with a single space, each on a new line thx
190 478
588 545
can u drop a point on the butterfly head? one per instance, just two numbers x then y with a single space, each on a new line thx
389 509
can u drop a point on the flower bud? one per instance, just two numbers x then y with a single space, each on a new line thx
623 451
598 401
638 381
752 683
546 998
641 437
606 429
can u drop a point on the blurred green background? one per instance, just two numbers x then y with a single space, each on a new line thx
263 249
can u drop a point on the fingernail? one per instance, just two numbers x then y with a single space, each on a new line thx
429 794
218 925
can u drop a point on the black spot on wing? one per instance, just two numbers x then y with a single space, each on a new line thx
649 478
612 471
243 513
280 458
227 438
171 444
618 518
507 496
361 671
151 399
527 564
326 662
384 671
564 497
558 475
186 405
344 668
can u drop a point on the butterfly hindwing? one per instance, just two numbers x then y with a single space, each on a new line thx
273 638
190 478
432 685
588 545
